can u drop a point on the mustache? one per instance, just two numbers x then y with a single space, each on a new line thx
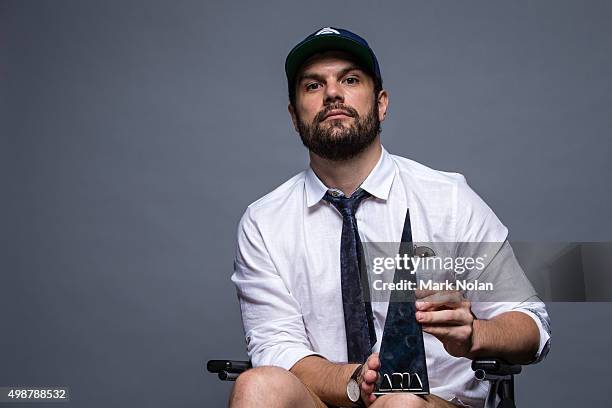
346 109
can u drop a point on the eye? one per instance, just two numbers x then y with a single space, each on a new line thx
312 86
352 80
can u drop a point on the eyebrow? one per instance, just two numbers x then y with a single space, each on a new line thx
318 77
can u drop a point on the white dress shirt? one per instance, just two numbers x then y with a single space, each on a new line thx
287 266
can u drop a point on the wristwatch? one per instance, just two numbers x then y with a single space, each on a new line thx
353 388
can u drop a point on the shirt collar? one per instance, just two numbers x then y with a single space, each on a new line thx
378 183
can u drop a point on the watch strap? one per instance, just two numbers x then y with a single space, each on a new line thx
357 372
360 403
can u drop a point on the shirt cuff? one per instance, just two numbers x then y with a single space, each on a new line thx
544 345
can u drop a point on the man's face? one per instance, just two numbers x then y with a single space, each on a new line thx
336 112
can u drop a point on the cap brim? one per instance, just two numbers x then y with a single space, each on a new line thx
322 43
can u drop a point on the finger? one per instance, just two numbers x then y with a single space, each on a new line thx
451 299
370 376
367 388
373 362
441 332
459 334
422 293
451 316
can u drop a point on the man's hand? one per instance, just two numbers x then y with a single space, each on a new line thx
447 315
369 375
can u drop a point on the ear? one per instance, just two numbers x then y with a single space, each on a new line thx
383 103
291 110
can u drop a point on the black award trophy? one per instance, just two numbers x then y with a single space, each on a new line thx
402 352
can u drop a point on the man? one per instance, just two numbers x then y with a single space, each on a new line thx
294 250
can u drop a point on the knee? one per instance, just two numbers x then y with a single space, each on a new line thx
404 400
262 380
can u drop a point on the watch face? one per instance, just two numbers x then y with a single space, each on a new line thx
352 390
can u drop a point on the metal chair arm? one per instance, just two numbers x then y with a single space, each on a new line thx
493 368
500 374
227 370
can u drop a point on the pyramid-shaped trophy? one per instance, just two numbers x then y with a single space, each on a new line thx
402 352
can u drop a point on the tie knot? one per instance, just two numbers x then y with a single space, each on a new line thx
346 205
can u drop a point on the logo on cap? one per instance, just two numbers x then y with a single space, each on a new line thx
327 30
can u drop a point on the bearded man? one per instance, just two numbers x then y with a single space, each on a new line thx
311 336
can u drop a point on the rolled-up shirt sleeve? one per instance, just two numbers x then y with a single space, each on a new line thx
513 292
480 232
532 307
537 311
271 316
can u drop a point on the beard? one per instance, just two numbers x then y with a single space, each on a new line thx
335 140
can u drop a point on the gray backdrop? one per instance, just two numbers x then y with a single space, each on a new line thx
135 133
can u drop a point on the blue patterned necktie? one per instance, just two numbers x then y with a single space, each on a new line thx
358 319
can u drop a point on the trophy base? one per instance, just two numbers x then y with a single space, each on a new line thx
379 393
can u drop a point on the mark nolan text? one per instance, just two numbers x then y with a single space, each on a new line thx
430 284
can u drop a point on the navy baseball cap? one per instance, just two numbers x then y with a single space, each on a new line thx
326 39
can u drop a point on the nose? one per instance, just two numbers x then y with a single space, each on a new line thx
333 92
